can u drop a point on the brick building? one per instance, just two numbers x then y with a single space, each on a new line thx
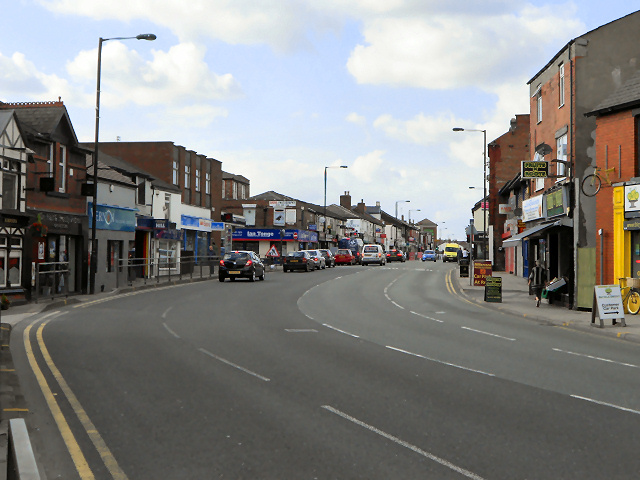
506 154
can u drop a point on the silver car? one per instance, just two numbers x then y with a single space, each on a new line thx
318 259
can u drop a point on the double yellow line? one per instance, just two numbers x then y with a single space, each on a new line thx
70 441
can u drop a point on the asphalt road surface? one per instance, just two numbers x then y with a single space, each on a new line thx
346 373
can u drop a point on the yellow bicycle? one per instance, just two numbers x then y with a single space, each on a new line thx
593 182
630 294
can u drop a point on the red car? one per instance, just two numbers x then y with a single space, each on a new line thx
344 257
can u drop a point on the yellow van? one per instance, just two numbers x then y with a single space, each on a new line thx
450 253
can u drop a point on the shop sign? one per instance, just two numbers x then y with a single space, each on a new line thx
632 224
290 216
278 217
195 223
532 208
259 234
493 290
505 208
555 203
282 203
538 169
481 270
632 198
113 218
608 300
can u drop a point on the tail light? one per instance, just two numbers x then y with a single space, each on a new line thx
249 263
222 263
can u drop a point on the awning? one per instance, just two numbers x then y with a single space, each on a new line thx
511 242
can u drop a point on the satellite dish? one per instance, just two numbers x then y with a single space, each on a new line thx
543 149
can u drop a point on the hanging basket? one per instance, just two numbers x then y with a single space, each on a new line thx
38 229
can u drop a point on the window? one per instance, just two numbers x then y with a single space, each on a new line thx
235 191
141 193
561 84
62 163
561 154
242 192
538 96
176 172
539 182
167 206
114 254
187 176
50 160
9 189
207 183
224 186
197 180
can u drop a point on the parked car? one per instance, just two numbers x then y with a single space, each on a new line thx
373 254
395 255
429 255
317 258
298 261
241 264
329 259
353 244
344 256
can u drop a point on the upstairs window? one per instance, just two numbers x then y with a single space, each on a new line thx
538 99
207 183
187 177
62 163
561 154
176 173
561 85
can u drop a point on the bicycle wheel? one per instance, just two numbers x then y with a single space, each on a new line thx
633 302
591 185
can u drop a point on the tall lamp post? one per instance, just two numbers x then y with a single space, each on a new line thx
413 210
324 227
400 201
485 201
94 216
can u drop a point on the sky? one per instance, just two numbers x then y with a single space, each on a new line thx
277 90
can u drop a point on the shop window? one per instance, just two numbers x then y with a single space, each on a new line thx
114 254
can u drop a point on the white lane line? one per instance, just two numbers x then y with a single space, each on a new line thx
338 330
397 305
490 334
597 358
300 330
164 315
223 360
440 313
402 443
428 318
170 331
606 404
439 361
308 316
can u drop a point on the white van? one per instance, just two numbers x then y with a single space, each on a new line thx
373 254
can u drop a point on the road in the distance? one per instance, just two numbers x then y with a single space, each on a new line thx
361 372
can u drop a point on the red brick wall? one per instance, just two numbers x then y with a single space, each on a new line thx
505 156
616 143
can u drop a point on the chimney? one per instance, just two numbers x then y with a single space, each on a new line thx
345 200
361 207
378 203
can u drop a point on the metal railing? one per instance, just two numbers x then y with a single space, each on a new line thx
137 271
51 280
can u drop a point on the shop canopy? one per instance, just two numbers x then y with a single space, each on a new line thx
513 241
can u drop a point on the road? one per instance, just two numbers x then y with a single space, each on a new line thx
352 372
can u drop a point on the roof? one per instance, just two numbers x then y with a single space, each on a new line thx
569 43
425 222
46 120
110 175
237 178
625 97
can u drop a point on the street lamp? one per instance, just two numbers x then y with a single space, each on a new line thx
324 228
484 183
413 210
400 201
94 217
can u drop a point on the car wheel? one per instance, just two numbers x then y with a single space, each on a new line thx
306 267
220 278
261 277
284 269
252 278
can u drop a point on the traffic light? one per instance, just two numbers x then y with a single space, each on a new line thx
227 217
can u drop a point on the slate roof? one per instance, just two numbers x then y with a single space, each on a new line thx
44 120
627 96
237 178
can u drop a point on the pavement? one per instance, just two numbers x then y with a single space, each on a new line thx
517 301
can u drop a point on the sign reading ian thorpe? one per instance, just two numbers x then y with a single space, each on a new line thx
481 270
539 169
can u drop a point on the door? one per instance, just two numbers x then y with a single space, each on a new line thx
525 258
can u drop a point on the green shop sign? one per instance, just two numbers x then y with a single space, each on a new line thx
555 203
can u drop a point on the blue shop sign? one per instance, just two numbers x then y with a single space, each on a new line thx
109 217
254 234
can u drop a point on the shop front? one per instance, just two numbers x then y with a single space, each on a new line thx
156 249
626 231
14 278
197 236
261 240
61 242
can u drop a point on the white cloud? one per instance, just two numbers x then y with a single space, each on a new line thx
454 49
175 77
357 119
421 129
367 167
